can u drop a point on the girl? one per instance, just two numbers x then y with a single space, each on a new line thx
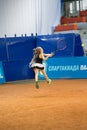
36 64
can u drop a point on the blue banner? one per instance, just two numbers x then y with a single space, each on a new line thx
70 67
2 77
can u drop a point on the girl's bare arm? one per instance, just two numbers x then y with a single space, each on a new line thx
48 55
45 56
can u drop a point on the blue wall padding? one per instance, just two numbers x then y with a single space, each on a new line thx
20 48
48 43
19 52
3 50
17 70
78 46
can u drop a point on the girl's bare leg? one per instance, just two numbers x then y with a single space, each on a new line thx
46 77
36 74
36 78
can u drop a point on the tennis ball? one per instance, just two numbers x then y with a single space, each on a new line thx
82 44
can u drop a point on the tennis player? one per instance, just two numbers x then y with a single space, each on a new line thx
37 64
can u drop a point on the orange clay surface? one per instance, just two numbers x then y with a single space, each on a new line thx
62 105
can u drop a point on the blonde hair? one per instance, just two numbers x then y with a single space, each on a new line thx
37 51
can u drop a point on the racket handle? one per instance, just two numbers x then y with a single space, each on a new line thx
30 65
52 53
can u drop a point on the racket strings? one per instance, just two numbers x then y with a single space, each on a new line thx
61 45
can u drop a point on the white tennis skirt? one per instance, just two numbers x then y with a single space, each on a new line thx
37 65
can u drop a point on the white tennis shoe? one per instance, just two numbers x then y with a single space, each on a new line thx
49 81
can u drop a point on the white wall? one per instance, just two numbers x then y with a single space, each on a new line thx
28 16
85 4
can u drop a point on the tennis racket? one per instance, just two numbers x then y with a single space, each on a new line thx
30 65
60 45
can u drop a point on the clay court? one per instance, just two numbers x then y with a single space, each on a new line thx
61 105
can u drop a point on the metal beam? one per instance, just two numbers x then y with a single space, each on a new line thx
70 0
